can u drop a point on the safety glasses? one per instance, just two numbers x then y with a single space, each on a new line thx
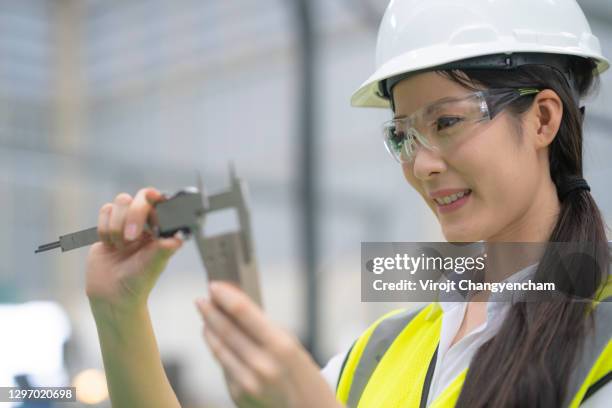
446 123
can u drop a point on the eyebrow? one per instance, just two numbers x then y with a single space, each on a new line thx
431 107
428 110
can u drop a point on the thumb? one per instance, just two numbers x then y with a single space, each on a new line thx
169 244
160 250
166 247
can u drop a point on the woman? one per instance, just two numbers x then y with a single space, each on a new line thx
485 95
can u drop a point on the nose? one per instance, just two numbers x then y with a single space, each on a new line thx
427 163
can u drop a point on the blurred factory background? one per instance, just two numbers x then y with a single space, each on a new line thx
100 97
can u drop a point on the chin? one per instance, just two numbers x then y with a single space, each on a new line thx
460 235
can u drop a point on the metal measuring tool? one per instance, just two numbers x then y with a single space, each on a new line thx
229 256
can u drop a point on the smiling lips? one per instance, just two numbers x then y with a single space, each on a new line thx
450 199
449 195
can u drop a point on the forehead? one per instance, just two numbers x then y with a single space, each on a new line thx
424 88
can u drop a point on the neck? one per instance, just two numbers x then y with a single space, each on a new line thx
535 226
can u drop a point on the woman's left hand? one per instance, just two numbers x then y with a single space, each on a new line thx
264 365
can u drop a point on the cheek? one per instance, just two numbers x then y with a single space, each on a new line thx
412 180
408 175
503 171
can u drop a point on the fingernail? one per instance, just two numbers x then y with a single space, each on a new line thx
214 287
130 232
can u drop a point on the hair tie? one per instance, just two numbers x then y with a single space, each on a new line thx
571 185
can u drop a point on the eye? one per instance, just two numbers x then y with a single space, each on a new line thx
397 139
445 122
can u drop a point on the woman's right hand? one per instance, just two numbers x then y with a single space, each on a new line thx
123 267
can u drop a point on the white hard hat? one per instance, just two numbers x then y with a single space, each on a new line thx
420 34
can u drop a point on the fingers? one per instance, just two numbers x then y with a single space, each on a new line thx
138 212
236 304
239 343
259 374
122 221
103 219
231 364
117 219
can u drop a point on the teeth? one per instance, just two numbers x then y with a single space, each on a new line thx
449 199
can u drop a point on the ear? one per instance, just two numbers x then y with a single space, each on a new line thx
544 117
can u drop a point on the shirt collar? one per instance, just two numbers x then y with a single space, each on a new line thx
497 304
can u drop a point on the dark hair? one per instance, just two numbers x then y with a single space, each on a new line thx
530 360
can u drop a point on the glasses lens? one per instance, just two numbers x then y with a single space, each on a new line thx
448 118
399 140
439 126
447 124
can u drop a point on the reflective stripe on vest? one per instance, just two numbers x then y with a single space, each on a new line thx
388 364
596 359
373 376
378 343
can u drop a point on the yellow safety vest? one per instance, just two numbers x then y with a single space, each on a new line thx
391 364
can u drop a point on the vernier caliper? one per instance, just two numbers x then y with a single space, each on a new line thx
229 256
